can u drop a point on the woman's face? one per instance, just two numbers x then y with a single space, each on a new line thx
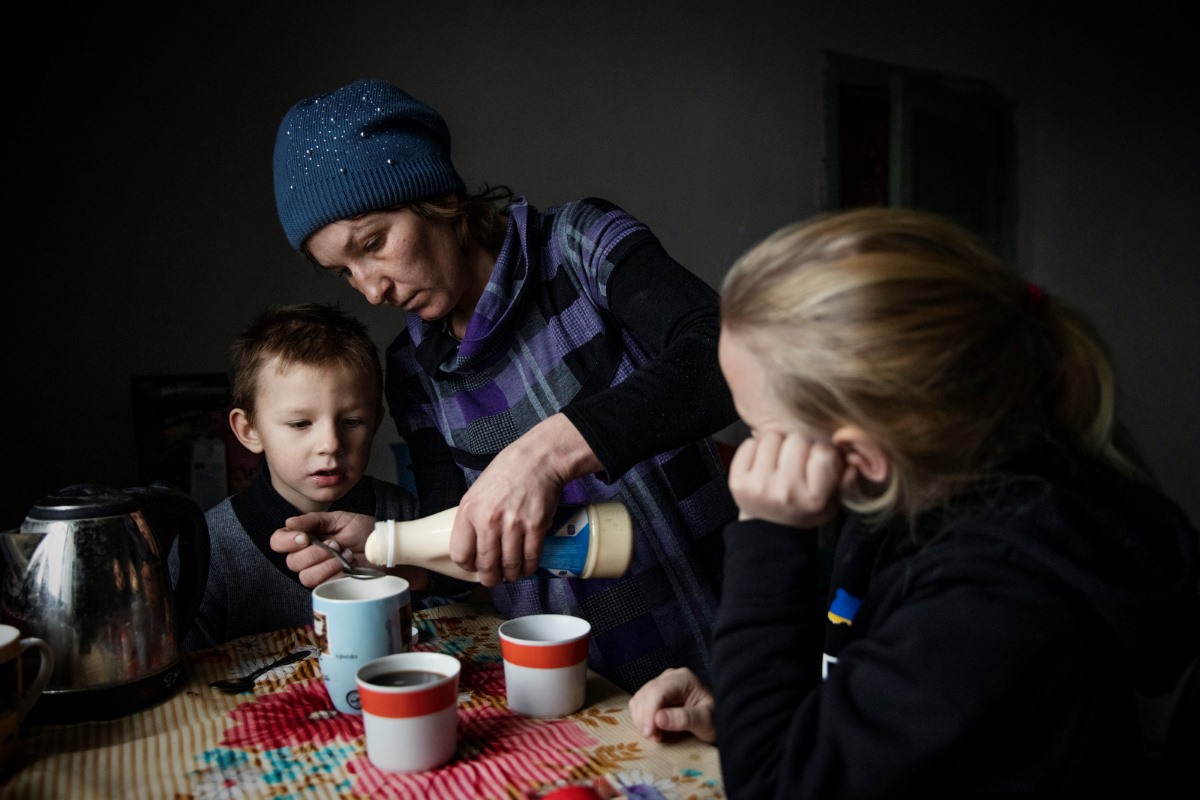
400 259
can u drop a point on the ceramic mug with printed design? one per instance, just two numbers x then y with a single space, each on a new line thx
357 621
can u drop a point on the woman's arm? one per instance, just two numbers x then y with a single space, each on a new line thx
679 394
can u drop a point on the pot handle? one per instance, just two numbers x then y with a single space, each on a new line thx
164 505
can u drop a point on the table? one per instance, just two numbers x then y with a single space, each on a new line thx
286 740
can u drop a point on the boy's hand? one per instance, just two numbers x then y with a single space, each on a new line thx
342 529
788 479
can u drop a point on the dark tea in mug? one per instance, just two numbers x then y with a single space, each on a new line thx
406 677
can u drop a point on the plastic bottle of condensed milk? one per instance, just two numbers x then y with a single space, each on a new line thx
588 541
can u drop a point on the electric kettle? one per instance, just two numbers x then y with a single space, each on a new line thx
87 572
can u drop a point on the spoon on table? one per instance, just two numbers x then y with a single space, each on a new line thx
246 682
362 573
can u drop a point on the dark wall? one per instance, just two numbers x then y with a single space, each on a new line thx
145 232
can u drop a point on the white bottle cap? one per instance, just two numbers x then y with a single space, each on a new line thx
611 548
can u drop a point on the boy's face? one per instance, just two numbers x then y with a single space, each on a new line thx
315 426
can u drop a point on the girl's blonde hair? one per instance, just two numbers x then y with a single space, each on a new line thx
903 324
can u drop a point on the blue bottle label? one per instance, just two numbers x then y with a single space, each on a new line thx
565 550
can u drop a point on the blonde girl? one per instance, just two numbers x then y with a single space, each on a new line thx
1005 578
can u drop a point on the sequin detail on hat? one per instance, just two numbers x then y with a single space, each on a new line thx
366 146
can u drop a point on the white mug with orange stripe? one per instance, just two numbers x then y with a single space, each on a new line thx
410 710
545 663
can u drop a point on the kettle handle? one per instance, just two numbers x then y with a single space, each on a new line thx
164 504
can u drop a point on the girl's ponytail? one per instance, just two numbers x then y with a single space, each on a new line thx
1081 392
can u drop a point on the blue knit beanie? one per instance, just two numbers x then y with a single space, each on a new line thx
360 148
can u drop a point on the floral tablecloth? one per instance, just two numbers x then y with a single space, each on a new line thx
285 740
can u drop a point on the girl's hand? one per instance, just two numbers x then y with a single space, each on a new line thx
674 701
786 478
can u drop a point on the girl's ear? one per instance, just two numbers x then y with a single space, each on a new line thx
864 457
244 430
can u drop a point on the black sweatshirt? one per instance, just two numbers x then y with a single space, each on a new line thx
996 650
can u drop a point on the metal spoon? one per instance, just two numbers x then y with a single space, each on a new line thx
362 573
246 682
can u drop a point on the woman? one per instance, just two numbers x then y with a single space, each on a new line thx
556 356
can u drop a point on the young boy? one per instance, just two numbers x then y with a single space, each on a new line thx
307 395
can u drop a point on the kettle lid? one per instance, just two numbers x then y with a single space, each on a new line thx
83 501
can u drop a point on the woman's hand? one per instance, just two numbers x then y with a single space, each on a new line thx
786 478
674 701
342 529
503 518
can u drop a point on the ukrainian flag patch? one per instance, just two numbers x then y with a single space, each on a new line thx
843 608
